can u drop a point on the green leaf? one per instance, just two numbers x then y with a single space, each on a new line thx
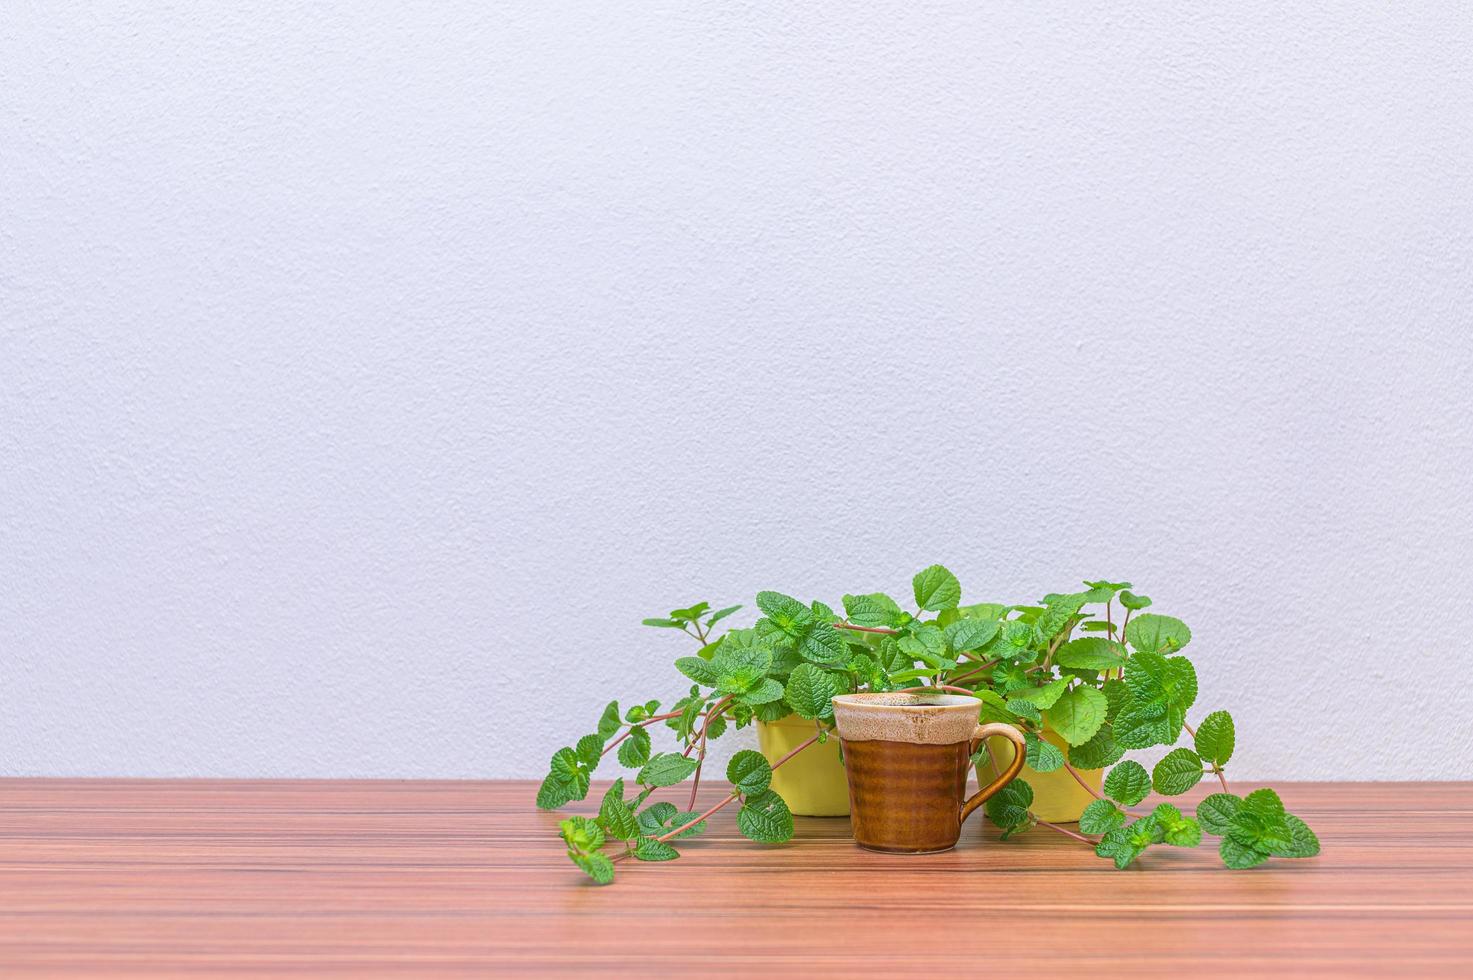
1018 636
616 816
1043 756
692 614
1058 610
822 644
669 624
666 769
748 772
1128 782
609 723
1261 822
1178 771
555 792
590 749
754 660
1150 633
1302 842
936 589
1008 807
967 635
769 712
1125 844
1239 856
1215 738
1091 653
1217 812
1078 714
634 751
649 849
1265 802
663 817
566 768
786 613
873 609
1100 817
1097 626
1043 697
765 691
810 692
926 642
1023 708
1135 731
764 817
1098 752
1177 830
739 681
1160 688
1010 678
977 610
581 834
596 866
1130 600
655 818
690 709
1181 688
720 614
699 670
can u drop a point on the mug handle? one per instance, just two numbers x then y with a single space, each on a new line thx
1020 749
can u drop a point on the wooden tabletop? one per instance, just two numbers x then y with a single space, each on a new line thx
420 879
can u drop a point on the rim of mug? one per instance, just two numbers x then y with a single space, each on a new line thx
862 699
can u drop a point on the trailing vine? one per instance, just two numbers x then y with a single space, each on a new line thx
1064 664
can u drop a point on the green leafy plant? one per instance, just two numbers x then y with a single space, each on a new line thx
1109 688
1105 688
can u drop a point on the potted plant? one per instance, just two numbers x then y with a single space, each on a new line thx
1103 693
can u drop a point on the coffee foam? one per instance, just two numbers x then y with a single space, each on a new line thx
928 719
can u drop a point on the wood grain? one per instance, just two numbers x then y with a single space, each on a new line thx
422 879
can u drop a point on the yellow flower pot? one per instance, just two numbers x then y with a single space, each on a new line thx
1057 796
812 782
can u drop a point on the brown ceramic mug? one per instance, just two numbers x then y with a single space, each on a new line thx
907 756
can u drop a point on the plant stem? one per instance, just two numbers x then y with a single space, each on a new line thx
701 758
700 762
979 669
1048 660
936 687
734 793
711 714
1095 793
1066 833
637 724
866 629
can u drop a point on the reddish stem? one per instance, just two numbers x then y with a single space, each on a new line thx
691 823
866 629
1066 833
1096 794
638 724
937 687
701 760
979 669
711 714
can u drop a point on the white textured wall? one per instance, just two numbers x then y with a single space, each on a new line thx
368 371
